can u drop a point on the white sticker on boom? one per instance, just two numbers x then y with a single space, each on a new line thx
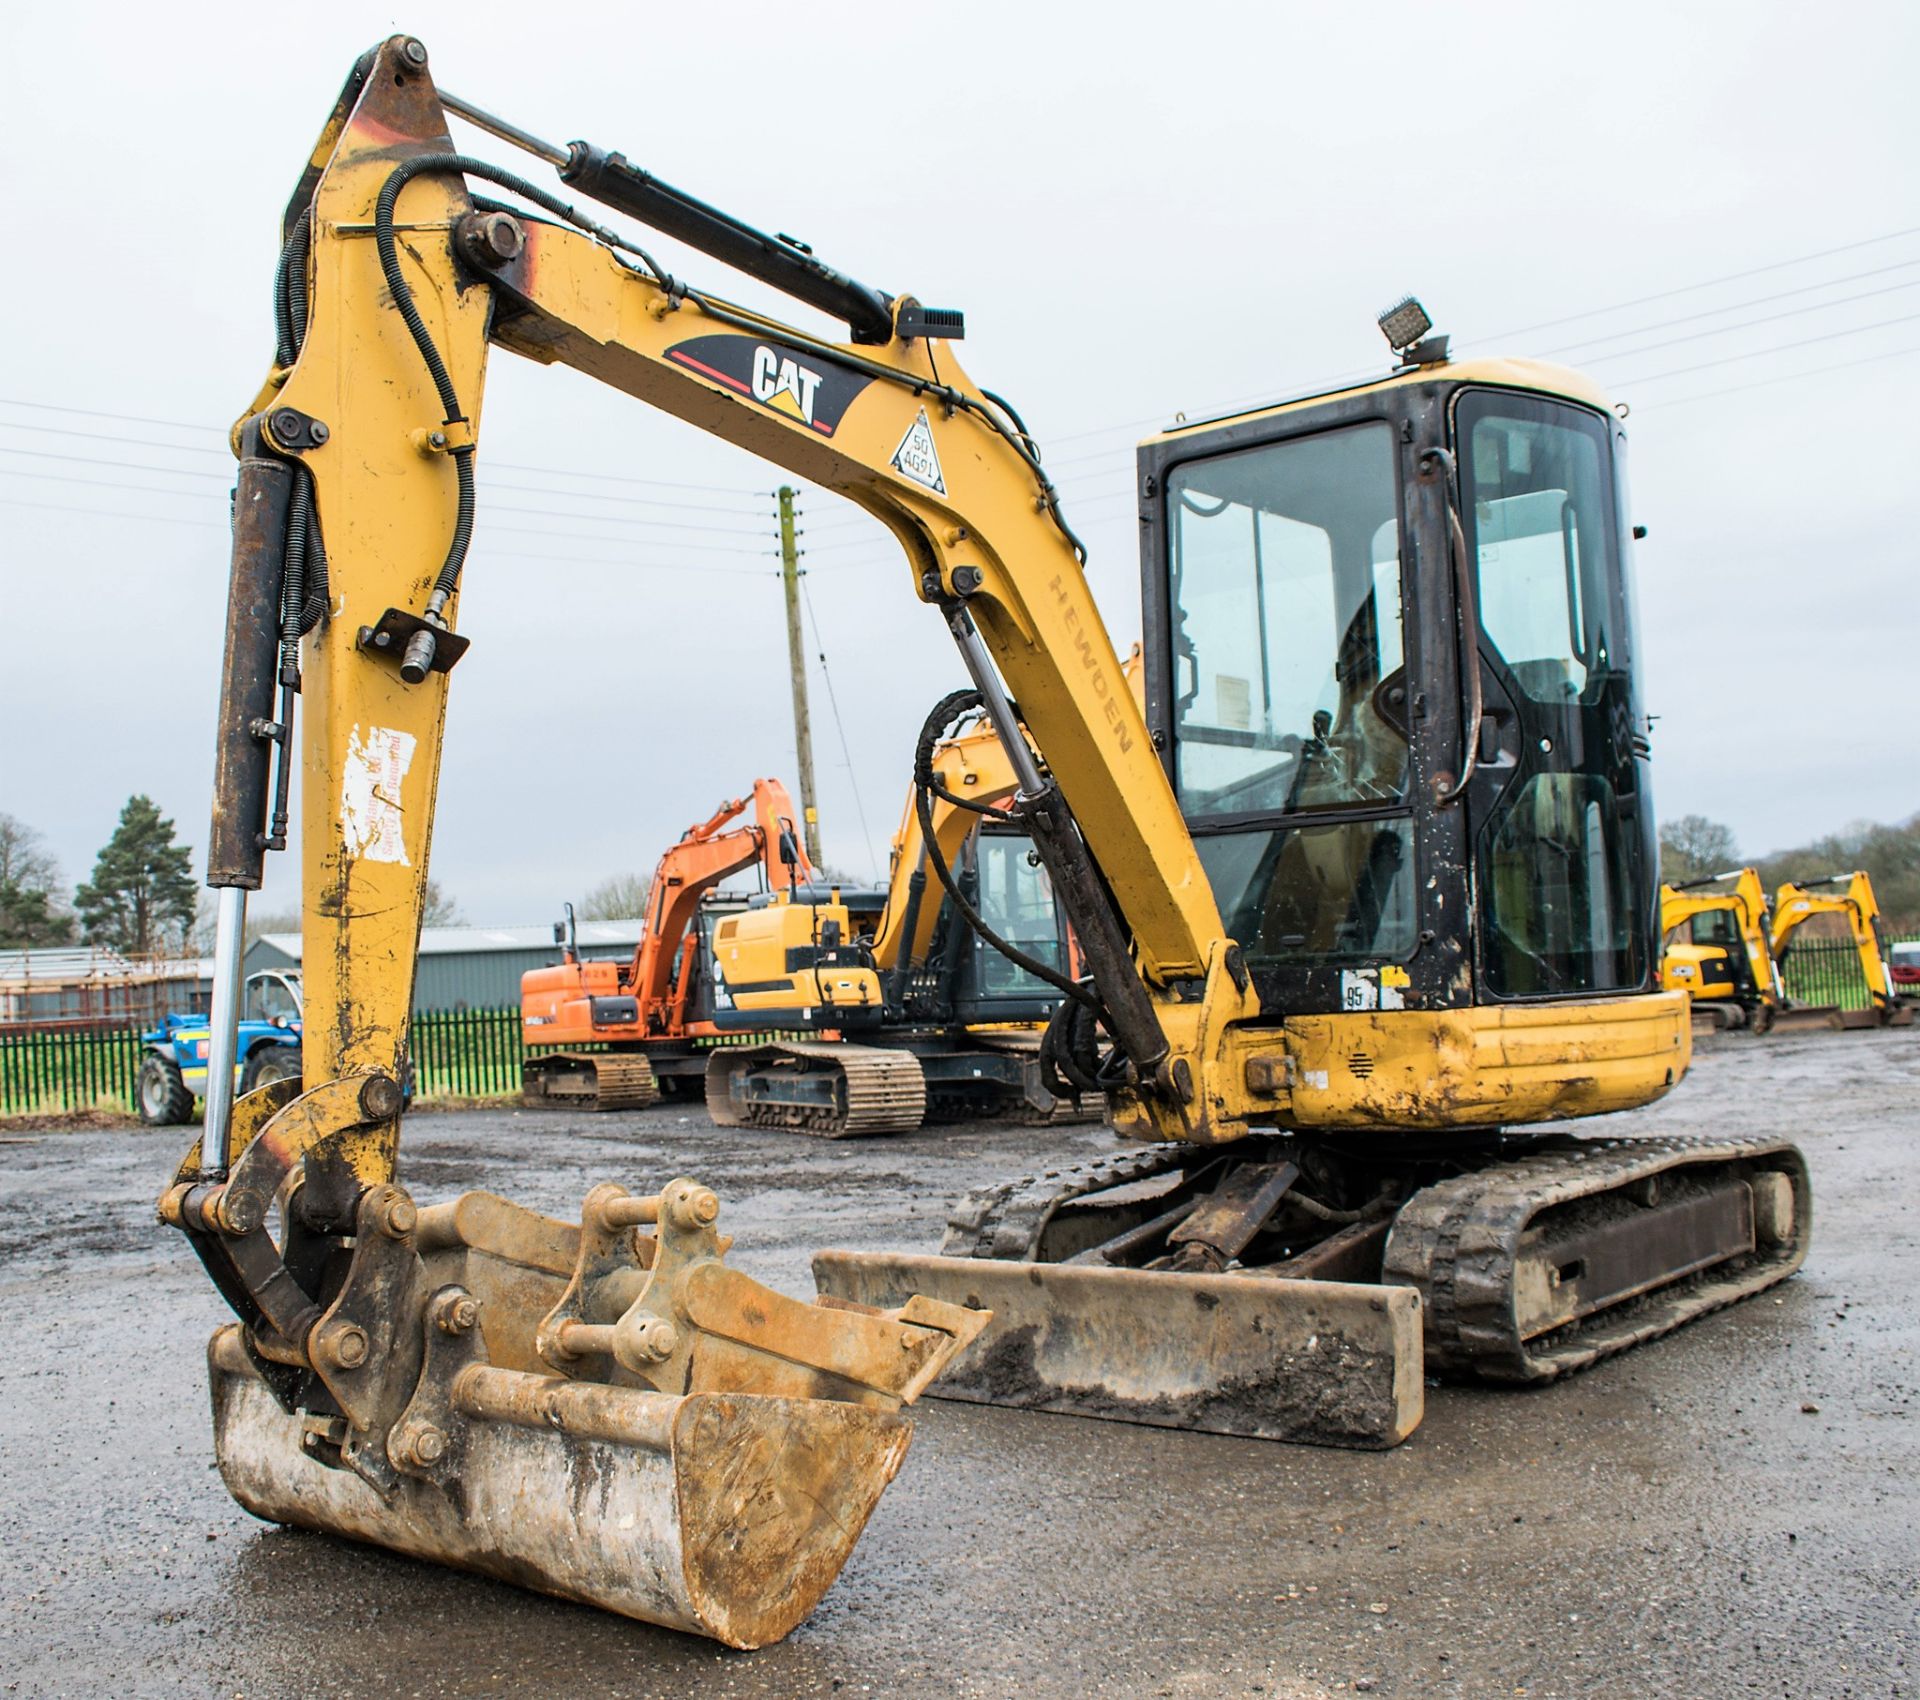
370 810
918 459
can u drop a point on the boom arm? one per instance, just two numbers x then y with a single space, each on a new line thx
1746 901
379 410
973 764
1794 904
700 860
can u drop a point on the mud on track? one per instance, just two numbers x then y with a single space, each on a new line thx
1732 1511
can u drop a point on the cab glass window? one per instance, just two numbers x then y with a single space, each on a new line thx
1288 646
1540 527
1307 895
1015 898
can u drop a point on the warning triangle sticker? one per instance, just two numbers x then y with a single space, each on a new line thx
918 459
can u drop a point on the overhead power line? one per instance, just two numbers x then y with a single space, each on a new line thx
1741 306
749 499
1709 283
1758 353
1748 324
1792 377
839 726
109 513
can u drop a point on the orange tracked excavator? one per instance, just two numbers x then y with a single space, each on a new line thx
641 1010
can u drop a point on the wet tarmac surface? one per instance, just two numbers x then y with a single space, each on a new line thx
1734 1510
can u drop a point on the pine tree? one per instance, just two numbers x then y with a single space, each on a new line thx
140 900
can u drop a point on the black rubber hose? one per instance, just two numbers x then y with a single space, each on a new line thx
925 788
448 579
290 291
293 579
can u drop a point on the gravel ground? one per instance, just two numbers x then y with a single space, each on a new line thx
1732 1511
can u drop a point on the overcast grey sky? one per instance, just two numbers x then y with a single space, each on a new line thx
1141 209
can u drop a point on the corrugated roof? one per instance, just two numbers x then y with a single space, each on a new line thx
75 965
480 941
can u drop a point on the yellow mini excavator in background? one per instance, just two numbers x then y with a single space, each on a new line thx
1366 900
930 1021
813 1008
1716 946
1798 902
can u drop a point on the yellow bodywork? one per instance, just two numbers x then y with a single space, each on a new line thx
970 764
769 959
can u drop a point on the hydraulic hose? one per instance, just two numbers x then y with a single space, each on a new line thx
927 786
418 659
1070 1059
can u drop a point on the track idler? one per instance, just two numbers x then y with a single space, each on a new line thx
603 1410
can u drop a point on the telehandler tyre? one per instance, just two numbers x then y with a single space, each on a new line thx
160 1095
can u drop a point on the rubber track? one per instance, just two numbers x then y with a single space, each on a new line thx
622 1080
1458 1243
882 1091
1005 1220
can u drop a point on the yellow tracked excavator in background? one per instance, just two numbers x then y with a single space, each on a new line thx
931 1022
1798 902
814 1008
1366 900
1717 947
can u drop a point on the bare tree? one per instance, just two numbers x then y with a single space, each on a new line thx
33 908
438 909
1693 847
621 898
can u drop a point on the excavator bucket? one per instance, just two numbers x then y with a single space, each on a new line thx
1328 1363
594 1411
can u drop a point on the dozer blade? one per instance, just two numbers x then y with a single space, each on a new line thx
1323 1362
603 1410
1809 1018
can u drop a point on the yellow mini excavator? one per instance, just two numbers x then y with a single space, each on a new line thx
931 1022
1366 900
1716 946
1798 902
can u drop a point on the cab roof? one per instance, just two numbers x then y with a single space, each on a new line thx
1542 376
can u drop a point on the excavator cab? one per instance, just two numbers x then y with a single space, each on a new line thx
1324 582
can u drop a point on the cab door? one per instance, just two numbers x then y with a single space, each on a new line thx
1559 812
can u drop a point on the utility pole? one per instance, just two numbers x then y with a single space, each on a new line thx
797 658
